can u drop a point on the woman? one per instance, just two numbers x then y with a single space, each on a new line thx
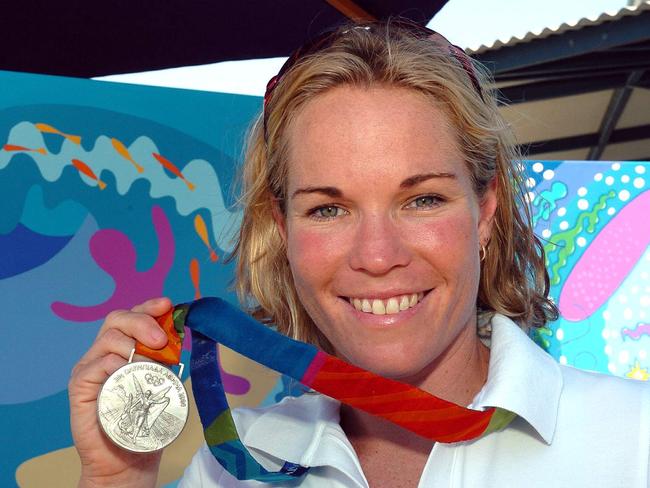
380 216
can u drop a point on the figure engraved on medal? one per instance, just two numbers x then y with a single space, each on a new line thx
142 407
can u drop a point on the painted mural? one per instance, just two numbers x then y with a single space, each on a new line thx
112 194
592 217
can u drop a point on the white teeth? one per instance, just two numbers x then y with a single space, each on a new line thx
378 307
392 305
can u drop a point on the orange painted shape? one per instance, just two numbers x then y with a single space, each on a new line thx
202 231
85 169
167 164
71 138
47 128
195 275
53 130
124 152
13 147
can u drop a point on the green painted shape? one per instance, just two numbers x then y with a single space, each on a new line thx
539 335
221 430
565 242
546 201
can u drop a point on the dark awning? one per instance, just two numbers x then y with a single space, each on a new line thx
93 38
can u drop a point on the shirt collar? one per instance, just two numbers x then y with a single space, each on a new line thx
289 429
304 430
522 378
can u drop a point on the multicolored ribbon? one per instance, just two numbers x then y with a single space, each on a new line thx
213 320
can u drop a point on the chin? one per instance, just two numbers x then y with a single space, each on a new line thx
397 366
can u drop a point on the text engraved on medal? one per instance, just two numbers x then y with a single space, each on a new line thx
142 407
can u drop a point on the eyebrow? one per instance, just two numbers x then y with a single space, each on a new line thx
333 192
329 191
411 181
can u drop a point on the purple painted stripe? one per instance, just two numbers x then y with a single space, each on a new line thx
313 368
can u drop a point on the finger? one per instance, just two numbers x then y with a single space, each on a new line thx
112 341
141 326
94 373
120 331
154 307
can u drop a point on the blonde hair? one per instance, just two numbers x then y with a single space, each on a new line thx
513 282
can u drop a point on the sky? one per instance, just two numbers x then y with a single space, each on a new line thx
470 23
467 23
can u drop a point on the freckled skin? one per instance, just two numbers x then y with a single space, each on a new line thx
378 238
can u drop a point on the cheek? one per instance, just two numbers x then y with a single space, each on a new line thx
448 249
444 236
314 255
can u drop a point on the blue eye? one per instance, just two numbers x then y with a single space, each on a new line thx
424 202
327 212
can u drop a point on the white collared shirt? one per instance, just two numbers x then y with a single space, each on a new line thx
573 429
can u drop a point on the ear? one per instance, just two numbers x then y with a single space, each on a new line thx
279 218
488 207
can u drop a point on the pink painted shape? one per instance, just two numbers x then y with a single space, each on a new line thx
637 332
114 252
236 385
608 260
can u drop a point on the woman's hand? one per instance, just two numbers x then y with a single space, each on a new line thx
102 462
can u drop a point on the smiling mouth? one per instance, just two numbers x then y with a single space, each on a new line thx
388 306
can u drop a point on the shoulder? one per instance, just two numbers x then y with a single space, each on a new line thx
604 391
609 411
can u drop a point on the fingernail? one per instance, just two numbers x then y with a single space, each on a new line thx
157 334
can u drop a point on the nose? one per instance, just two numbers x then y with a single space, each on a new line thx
378 246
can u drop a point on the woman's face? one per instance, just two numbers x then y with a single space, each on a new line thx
383 228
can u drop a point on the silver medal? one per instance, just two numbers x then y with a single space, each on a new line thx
143 406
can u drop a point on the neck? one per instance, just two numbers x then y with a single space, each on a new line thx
459 373
457 376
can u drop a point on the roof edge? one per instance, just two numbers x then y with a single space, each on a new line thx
564 27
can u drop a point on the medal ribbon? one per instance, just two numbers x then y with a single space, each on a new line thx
213 320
